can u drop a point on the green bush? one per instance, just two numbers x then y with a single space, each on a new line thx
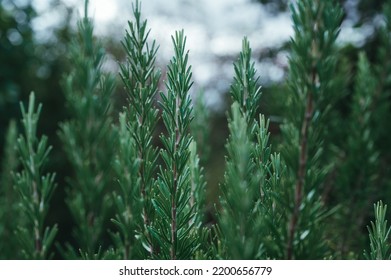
137 187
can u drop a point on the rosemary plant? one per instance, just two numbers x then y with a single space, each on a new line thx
174 228
239 223
312 65
199 154
252 173
198 202
88 139
355 181
138 153
34 187
128 202
379 235
381 105
272 206
245 89
198 184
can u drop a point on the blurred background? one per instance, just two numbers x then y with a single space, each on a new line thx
34 36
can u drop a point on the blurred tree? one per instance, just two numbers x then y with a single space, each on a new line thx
350 177
28 63
16 59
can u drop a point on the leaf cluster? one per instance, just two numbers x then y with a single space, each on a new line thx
252 175
34 187
174 228
379 235
88 138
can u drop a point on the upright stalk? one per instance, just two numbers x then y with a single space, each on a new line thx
379 235
88 139
174 229
312 64
249 182
302 170
141 80
35 189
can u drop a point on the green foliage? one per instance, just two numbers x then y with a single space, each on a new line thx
34 187
128 201
138 152
356 179
200 151
293 205
245 89
198 184
88 139
380 109
312 65
239 221
29 63
362 173
252 174
198 202
379 235
174 228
